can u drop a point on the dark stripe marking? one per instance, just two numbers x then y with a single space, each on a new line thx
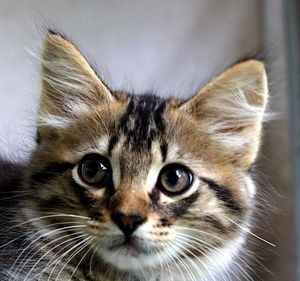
51 171
88 200
224 195
173 210
181 207
158 117
214 222
54 202
164 151
82 194
143 121
112 143
155 195
125 117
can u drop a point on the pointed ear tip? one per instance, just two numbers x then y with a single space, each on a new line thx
254 66
55 43
51 37
55 38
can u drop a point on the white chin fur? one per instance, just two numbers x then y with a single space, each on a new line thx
123 260
211 266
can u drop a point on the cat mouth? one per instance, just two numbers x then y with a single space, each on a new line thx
133 254
129 247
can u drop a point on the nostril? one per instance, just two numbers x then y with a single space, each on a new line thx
128 223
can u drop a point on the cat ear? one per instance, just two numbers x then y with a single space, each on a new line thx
69 85
231 109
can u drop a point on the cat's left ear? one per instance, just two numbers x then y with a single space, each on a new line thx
231 110
69 84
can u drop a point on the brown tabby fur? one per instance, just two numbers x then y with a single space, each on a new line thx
215 134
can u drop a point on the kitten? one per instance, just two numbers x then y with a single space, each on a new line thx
124 187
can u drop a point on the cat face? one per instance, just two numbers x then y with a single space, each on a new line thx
144 182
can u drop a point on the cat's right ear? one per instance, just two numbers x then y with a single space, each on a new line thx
70 87
231 109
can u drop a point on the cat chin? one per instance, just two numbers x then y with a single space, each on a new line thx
128 259
135 260
135 254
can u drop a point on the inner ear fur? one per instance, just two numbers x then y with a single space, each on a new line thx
70 87
231 108
68 79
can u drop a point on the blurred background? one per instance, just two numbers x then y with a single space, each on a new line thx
172 47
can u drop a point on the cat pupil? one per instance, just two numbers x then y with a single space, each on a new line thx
93 169
173 177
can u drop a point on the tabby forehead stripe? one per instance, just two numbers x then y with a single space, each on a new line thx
112 142
51 171
224 195
158 116
143 121
164 151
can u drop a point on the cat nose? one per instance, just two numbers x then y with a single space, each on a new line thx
128 223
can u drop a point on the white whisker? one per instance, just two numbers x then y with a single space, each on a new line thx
161 265
85 244
51 250
200 231
190 240
50 263
197 258
203 243
38 238
253 234
188 270
49 216
81 260
16 196
91 260
26 234
175 263
64 254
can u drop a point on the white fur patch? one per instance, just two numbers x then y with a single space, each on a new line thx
219 261
50 120
250 186
232 110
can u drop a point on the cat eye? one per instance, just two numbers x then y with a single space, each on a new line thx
174 179
95 170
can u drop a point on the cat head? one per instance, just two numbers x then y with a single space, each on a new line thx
146 181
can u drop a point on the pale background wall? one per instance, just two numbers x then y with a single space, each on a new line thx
168 47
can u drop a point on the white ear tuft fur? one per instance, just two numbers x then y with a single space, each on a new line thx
50 120
232 107
69 85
